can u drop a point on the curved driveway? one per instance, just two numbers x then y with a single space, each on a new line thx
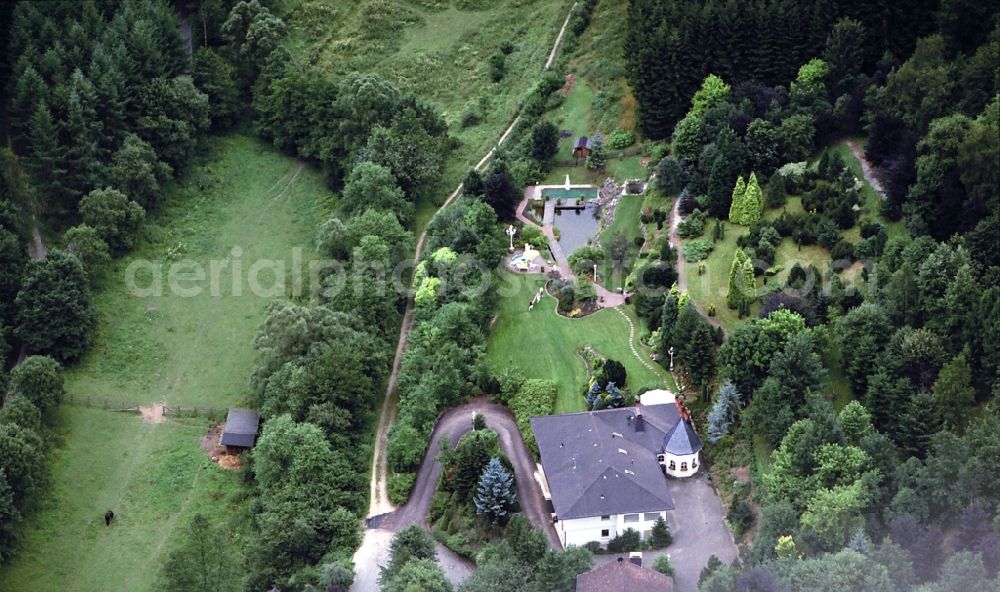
453 424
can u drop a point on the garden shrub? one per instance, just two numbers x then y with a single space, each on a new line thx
662 564
621 139
740 515
629 540
697 250
399 487
693 225
536 397
593 547
842 250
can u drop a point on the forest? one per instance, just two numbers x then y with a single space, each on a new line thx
890 483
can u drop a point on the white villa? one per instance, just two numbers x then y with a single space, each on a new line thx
604 470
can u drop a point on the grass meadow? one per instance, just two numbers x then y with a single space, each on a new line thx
544 345
198 350
438 50
154 477
169 349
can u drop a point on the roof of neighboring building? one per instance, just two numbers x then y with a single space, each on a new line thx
622 576
682 439
582 142
241 428
597 463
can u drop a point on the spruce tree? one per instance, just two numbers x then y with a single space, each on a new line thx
660 536
737 207
723 412
45 160
699 354
597 158
495 496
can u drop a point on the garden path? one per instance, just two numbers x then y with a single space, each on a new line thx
866 167
675 243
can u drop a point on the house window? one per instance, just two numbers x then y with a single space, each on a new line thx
631 517
684 466
650 516
694 464
660 457
605 517
605 533
673 466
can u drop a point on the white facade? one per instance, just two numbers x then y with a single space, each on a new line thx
679 465
580 531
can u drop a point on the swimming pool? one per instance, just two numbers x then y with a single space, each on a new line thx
565 194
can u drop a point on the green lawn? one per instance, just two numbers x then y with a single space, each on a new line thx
543 344
154 477
627 223
872 202
199 350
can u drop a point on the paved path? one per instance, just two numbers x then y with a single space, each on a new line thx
699 530
453 424
605 298
681 265
866 168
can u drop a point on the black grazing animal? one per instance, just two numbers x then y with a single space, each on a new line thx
108 517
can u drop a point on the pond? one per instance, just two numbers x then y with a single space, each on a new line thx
576 226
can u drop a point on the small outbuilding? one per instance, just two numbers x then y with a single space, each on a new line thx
581 149
241 429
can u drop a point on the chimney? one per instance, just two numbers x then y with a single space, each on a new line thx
640 425
682 410
621 560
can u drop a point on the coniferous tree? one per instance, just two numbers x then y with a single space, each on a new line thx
46 162
597 158
723 412
737 206
742 282
495 496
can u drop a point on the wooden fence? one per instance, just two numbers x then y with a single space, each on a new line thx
128 407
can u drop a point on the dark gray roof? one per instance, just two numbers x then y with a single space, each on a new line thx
596 463
622 576
682 439
241 428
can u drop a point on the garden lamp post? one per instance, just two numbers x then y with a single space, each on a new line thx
671 352
595 273
510 234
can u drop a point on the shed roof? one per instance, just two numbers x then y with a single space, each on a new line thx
582 142
241 428
622 576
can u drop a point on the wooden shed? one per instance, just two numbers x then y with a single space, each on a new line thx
241 429
581 149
